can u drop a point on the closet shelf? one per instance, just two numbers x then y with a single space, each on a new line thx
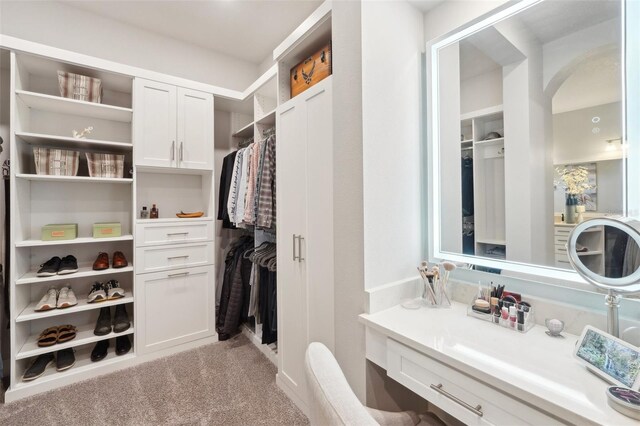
175 220
62 105
81 240
73 143
496 242
29 313
77 179
490 142
269 118
83 272
466 141
245 132
84 336
82 365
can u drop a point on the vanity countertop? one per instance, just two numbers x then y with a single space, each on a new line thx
533 367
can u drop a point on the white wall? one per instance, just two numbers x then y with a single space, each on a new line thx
452 14
348 232
4 133
481 91
392 45
42 21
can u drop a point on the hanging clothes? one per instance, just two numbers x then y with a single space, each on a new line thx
223 191
266 212
467 186
232 202
242 187
249 209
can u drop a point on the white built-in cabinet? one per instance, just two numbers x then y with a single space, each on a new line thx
173 130
305 231
174 127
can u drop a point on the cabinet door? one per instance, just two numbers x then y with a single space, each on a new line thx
291 221
175 307
154 110
195 129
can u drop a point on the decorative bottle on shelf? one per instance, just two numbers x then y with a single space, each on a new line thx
144 213
154 212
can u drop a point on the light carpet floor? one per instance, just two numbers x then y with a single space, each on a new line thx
225 383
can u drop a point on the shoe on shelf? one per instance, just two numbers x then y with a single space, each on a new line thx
97 293
66 298
102 262
37 368
68 265
48 301
113 289
123 345
119 261
103 325
99 351
49 268
65 359
121 319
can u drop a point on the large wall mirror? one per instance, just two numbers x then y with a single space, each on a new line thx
527 131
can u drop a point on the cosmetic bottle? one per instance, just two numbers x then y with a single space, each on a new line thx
504 316
512 316
496 314
154 212
144 213
520 320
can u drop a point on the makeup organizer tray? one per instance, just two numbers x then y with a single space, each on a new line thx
528 314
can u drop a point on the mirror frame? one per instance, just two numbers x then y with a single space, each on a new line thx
510 268
624 285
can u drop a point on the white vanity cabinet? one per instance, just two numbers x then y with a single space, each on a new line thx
173 126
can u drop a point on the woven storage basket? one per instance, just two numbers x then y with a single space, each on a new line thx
105 165
58 162
80 87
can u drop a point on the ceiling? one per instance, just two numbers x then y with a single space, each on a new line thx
244 29
425 5
551 20
596 81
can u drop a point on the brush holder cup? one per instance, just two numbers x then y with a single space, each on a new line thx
434 293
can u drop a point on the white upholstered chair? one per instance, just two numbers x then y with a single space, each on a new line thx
333 403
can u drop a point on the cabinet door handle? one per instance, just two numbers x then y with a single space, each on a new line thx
293 244
300 258
477 410
177 233
179 274
181 151
184 256
173 150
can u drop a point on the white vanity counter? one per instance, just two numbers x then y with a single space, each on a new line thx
538 372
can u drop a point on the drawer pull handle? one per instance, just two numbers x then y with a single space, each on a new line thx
184 256
177 233
477 410
179 274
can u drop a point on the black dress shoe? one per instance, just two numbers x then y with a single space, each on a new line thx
37 368
65 359
103 325
121 319
68 265
123 345
100 350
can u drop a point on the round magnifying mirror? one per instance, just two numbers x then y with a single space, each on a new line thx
606 253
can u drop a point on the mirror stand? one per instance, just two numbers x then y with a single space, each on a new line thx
612 301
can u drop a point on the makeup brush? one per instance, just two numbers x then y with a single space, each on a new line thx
448 267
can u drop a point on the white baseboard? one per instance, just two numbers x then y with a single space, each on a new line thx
257 341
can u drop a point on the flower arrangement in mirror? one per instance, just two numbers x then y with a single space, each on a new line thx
576 182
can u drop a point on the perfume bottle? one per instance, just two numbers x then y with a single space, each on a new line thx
154 212
144 213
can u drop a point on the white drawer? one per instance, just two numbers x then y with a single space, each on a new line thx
561 240
162 258
457 393
562 230
560 250
150 234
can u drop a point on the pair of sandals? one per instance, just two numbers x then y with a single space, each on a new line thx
60 334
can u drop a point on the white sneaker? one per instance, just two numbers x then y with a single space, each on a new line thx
66 298
48 301
97 293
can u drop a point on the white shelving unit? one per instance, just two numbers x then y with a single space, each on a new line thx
488 179
42 118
